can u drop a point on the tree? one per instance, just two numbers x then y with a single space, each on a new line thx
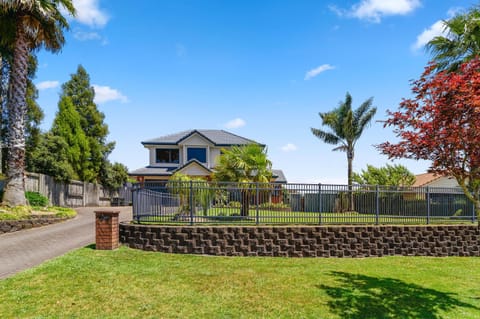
34 114
34 23
441 123
51 156
389 175
82 95
116 175
346 127
191 191
66 125
244 164
461 43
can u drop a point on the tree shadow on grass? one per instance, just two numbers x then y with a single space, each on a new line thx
360 297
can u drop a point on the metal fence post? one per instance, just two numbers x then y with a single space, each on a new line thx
257 217
473 213
428 205
319 203
191 202
135 204
377 205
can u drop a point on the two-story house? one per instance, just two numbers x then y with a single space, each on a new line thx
192 152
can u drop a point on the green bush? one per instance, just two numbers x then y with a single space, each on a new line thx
36 199
268 205
234 204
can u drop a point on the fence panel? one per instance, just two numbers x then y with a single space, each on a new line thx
201 202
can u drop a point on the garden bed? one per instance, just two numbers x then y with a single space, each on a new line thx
10 226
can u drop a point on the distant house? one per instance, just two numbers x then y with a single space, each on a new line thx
192 152
434 180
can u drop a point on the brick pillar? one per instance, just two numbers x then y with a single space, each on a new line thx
106 229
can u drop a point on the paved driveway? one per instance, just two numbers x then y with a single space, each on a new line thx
24 249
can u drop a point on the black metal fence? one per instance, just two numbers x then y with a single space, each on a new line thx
201 202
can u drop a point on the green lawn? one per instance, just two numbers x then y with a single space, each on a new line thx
129 283
266 217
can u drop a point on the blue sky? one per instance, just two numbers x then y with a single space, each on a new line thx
260 69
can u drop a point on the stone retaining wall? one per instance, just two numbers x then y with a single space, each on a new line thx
10 226
304 241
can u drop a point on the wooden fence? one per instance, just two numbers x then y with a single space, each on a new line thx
73 194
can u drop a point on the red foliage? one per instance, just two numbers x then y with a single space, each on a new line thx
441 123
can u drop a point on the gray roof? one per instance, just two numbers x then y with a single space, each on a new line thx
163 171
153 171
216 137
280 177
167 171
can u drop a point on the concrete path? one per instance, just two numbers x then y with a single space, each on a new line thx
24 249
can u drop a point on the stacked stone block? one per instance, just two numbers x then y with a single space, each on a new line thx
10 226
314 241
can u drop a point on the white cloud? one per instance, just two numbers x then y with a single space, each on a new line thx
45 85
436 29
86 36
289 147
105 94
235 123
89 13
314 72
374 10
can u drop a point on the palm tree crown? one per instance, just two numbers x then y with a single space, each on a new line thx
346 127
461 42
248 163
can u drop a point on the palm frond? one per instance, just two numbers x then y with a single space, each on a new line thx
327 137
365 120
342 148
362 109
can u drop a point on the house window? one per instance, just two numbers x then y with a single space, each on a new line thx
167 155
200 154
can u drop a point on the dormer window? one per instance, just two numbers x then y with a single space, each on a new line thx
167 155
198 153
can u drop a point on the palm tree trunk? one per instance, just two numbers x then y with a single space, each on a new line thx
2 99
245 208
350 179
14 194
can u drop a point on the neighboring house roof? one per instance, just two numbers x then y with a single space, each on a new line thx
279 176
216 137
425 179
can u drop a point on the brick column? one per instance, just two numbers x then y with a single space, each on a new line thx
106 229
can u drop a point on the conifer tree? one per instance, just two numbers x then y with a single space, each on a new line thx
82 95
67 125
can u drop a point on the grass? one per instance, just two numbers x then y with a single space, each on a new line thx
26 212
130 283
265 217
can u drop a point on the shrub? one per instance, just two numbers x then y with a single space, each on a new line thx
36 199
268 205
234 204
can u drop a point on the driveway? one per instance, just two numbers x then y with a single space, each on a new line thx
24 249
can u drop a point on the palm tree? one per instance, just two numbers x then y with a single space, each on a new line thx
35 24
346 128
461 43
244 164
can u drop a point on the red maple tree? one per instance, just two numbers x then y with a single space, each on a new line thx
441 123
